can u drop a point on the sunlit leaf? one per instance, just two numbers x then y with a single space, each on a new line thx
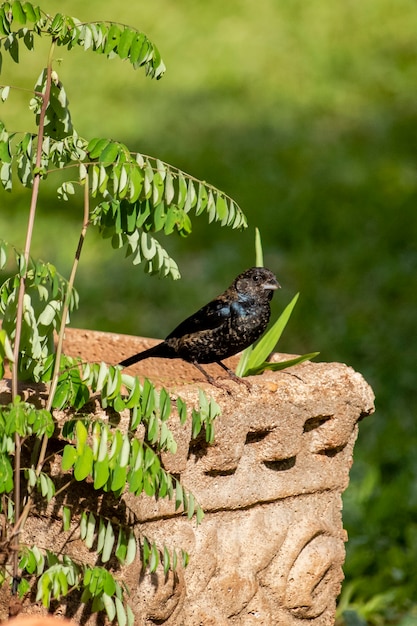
281 365
109 154
259 255
113 38
84 464
267 343
109 606
108 543
126 40
91 528
154 558
120 612
69 457
101 473
131 548
66 518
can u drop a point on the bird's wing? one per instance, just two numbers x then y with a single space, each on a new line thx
212 315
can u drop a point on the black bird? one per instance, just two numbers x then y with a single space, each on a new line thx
226 325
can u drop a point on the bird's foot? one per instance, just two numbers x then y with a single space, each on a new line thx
235 377
216 383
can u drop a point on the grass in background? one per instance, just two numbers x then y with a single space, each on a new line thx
306 114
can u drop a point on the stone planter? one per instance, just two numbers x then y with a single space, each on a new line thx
270 549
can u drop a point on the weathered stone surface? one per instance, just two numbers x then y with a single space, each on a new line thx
270 549
42 620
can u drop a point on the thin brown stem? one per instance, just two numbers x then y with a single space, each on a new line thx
21 295
31 221
64 316
69 294
15 544
28 504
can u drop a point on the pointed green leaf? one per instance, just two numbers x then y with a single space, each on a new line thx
91 528
18 13
32 12
82 435
281 365
267 343
159 216
69 457
182 190
202 199
66 518
130 616
134 396
146 552
113 38
131 548
145 52
108 543
109 154
126 40
164 404
119 475
185 558
101 535
221 207
102 376
109 606
121 546
84 464
178 495
96 146
259 256
136 182
12 45
120 612
83 525
166 560
154 559
191 198
182 410
148 178
101 473
136 47
169 188
4 94
190 506
199 515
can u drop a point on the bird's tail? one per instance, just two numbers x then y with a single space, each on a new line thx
160 350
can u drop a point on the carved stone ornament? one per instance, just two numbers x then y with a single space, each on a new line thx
270 549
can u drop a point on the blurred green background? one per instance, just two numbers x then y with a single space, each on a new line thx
306 114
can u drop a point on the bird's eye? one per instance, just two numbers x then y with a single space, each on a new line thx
256 278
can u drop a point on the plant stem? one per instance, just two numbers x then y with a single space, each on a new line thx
31 221
21 296
64 316
68 295
21 521
17 509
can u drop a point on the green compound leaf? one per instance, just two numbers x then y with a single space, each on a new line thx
138 196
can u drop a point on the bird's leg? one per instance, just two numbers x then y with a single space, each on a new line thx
210 379
214 382
233 376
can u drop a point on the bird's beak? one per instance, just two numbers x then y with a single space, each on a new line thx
274 285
